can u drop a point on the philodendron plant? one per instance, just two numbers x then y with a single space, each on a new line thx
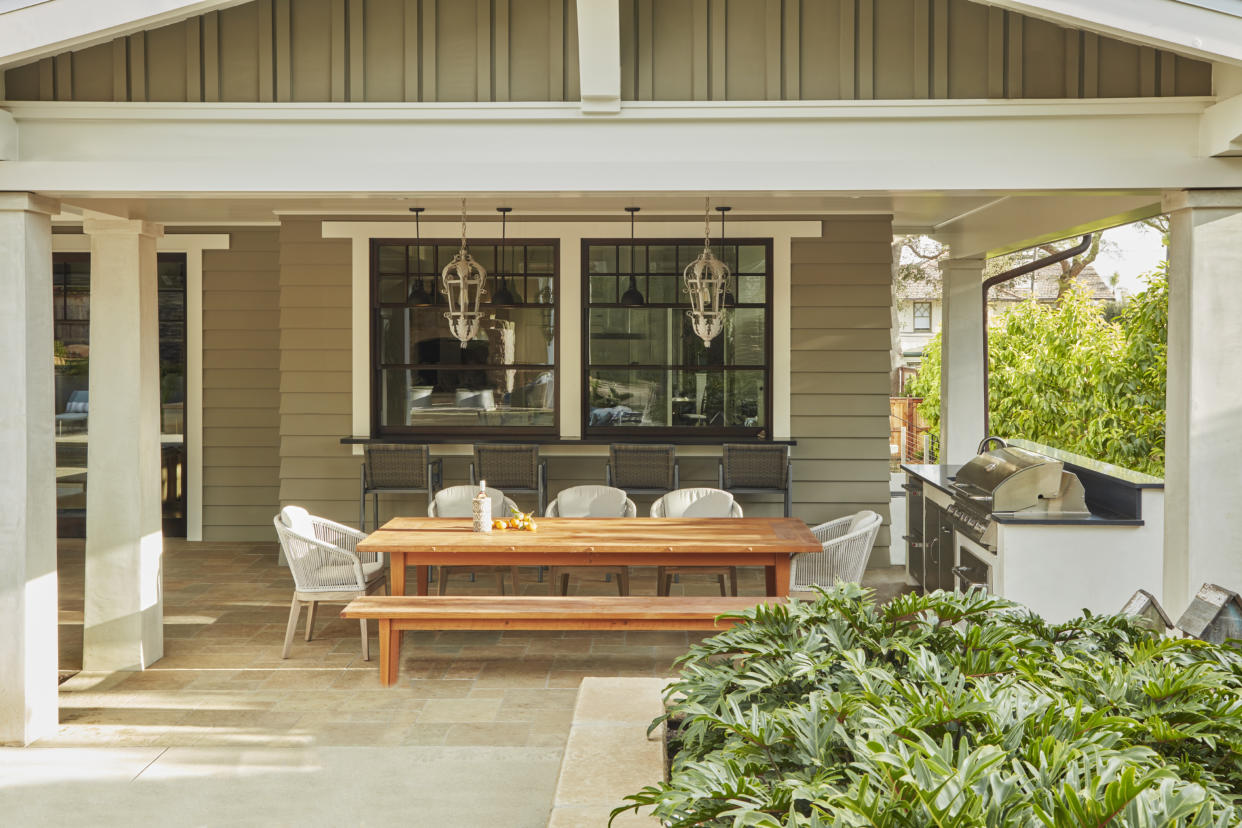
949 710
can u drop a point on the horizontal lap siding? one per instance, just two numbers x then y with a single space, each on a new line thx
241 427
316 471
842 297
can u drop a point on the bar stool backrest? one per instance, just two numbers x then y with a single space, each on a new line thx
755 467
396 466
508 466
643 466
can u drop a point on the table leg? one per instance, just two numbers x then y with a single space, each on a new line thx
420 575
396 575
778 576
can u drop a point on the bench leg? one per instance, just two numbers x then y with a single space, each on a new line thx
366 642
390 652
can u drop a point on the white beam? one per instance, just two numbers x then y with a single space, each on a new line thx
1188 28
1203 449
961 353
599 56
62 25
861 147
123 613
28 607
1019 222
1220 133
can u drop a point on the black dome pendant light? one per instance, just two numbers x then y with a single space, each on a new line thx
504 296
419 295
729 300
632 296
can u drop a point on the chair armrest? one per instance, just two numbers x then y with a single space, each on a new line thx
831 530
321 554
473 481
435 474
608 473
343 537
720 475
676 474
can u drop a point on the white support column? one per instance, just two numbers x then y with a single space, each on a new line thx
124 540
1203 444
28 611
961 369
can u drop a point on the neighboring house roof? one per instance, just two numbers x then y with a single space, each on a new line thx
1046 280
1046 284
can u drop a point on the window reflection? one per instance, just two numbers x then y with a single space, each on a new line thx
425 378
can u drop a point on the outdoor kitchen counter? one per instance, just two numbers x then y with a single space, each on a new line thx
1114 494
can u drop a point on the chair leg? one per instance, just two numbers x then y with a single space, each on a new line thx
310 619
375 511
720 578
561 582
733 581
366 642
294 611
620 585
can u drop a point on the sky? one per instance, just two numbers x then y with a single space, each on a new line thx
1135 250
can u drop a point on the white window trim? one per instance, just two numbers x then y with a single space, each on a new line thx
192 245
569 325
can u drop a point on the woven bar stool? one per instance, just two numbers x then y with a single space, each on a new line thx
396 469
751 469
511 467
641 468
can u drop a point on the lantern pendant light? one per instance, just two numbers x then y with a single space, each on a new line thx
632 296
706 280
463 281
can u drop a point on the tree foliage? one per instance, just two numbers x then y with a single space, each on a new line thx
951 711
1064 375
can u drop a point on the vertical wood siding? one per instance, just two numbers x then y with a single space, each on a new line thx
527 50
241 424
328 50
842 297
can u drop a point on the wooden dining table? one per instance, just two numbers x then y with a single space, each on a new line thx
425 542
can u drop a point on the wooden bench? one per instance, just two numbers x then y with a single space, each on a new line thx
397 613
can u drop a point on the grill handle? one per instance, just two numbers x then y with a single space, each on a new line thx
962 574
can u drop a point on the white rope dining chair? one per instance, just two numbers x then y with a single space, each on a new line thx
696 503
458 502
847 545
591 502
326 565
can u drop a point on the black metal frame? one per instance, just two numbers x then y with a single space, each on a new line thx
635 434
498 433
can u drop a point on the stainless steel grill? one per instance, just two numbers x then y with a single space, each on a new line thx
1011 480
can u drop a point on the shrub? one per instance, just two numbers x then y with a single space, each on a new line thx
949 710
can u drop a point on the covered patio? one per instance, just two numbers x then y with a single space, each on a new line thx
276 148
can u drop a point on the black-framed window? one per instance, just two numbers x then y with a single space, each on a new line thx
424 381
645 371
922 316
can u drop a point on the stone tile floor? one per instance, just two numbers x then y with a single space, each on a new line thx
222 684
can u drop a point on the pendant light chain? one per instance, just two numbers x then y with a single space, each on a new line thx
463 224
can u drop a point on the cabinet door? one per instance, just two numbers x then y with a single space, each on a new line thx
915 539
946 554
934 552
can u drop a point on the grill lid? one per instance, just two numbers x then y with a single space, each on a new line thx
1010 479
